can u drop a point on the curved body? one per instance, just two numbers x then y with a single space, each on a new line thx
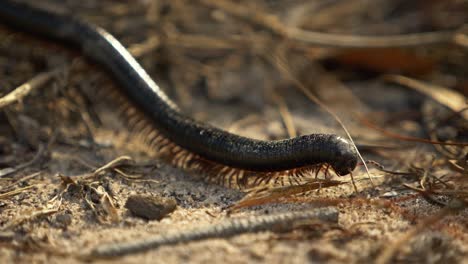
206 141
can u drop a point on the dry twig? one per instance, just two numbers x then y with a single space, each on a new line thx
226 229
407 138
286 115
23 90
272 23
40 153
266 195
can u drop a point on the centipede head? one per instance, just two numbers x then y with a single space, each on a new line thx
346 157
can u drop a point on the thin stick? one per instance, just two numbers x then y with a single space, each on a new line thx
9 187
407 138
280 64
285 115
243 122
380 167
34 215
15 192
140 49
23 90
272 23
37 157
225 229
461 38
266 195
114 163
353 41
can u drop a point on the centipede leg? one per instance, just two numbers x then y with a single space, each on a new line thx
353 182
327 172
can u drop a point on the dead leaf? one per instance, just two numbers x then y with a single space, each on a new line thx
386 61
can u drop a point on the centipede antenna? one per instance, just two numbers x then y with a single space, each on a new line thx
281 64
362 159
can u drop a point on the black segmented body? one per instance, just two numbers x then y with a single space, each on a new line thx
206 141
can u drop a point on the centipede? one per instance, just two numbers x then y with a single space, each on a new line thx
225 158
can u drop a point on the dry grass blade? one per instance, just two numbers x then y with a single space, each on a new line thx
286 115
243 122
105 210
40 153
94 194
114 163
272 23
461 38
47 210
9 187
380 167
459 165
23 90
387 133
352 41
15 192
267 195
447 97
141 49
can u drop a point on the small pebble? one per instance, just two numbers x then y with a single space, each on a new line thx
150 207
64 219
